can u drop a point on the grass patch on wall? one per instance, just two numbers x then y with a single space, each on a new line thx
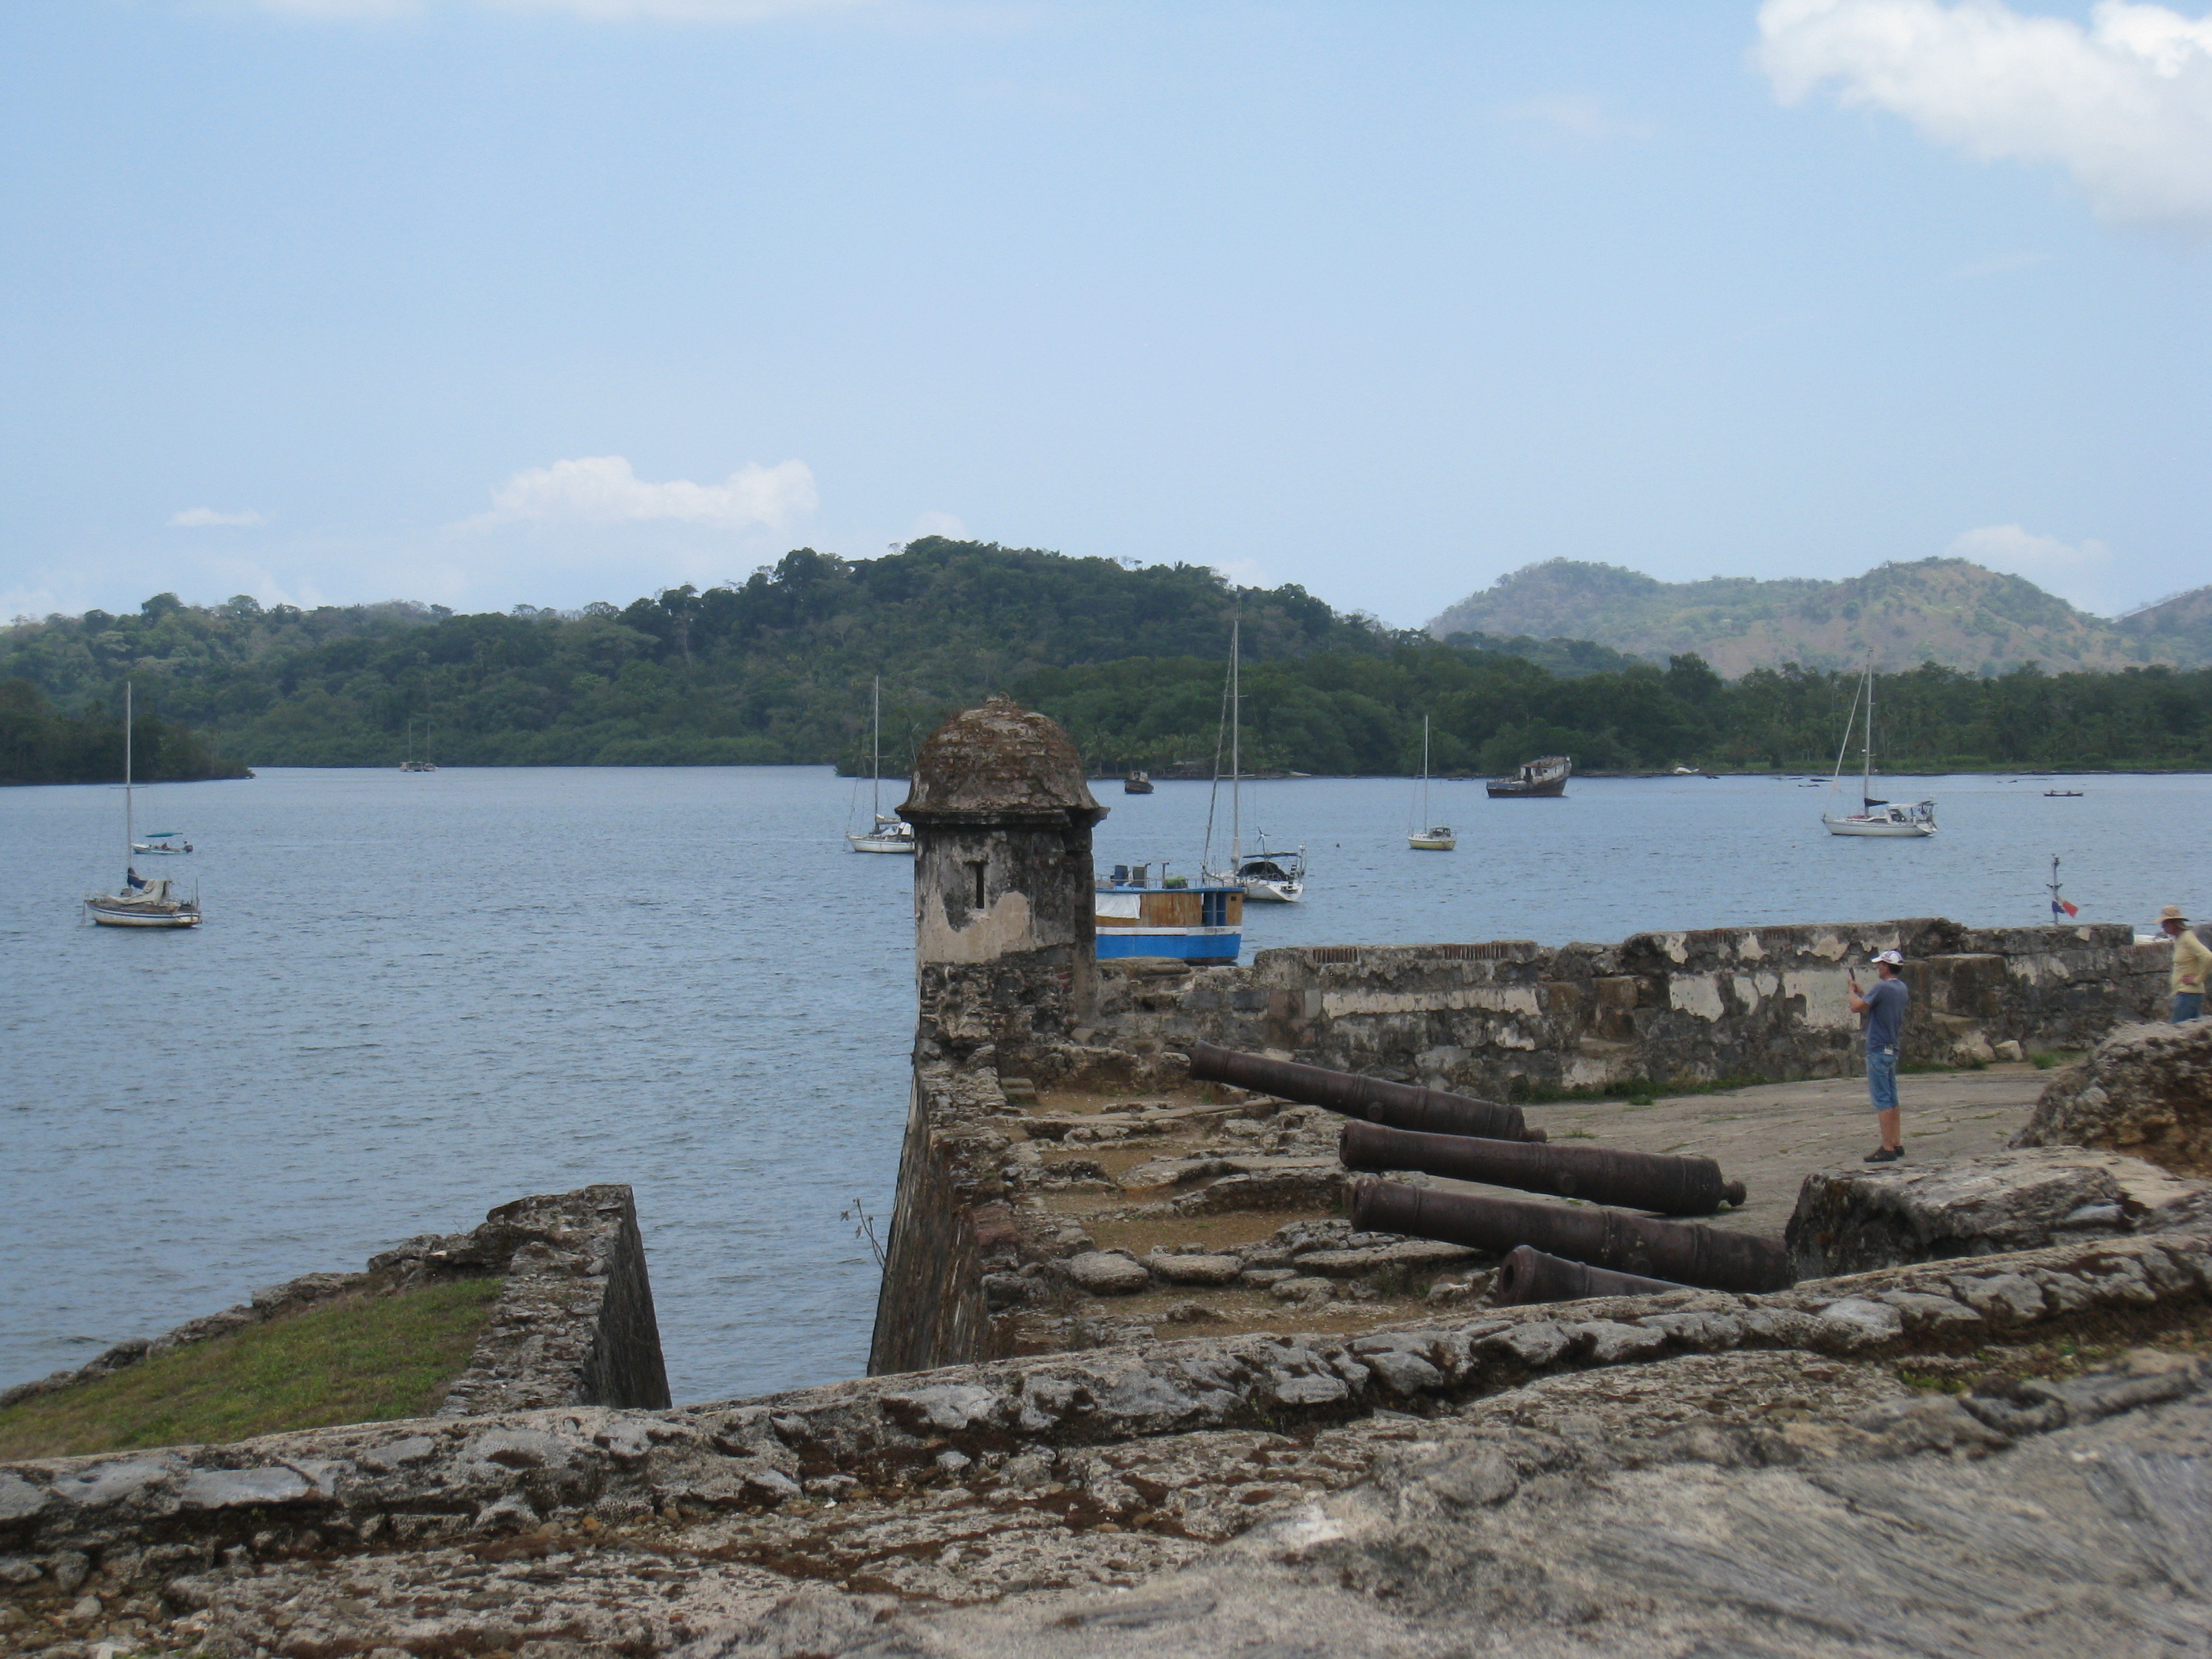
364 1359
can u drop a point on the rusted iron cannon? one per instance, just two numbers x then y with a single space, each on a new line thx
1639 1181
1401 1105
1626 1242
1528 1275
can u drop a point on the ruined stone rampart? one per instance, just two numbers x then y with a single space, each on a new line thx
1509 1018
573 1323
284 1543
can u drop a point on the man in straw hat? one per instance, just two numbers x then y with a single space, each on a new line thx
2190 959
1883 1005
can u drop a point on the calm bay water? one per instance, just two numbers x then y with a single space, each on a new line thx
418 996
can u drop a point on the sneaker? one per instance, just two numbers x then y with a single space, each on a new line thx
1885 1155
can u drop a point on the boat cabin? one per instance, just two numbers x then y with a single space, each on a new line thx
1198 922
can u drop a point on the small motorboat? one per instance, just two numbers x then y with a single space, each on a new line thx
1137 783
1544 776
2061 794
161 840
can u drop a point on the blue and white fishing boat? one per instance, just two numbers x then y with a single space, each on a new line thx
1201 923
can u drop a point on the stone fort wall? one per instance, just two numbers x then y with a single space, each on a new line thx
1511 1017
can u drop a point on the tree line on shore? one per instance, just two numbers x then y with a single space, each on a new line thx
41 744
777 670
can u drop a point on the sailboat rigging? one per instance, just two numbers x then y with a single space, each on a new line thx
141 902
1436 837
1270 877
889 835
411 762
1874 817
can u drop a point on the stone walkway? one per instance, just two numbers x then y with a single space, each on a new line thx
1771 1136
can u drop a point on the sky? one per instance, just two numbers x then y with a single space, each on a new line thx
487 302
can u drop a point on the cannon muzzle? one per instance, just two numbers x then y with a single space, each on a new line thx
1401 1105
1640 1181
1528 1275
1713 1258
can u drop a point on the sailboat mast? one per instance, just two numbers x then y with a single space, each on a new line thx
1236 742
876 790
1424 771
129 830
1866 771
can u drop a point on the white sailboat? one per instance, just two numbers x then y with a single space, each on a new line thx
1268 878
141 904
1874 817
889 834
1438 837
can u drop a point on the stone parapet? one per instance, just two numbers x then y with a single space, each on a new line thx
1511 1017
573 1323
342 1492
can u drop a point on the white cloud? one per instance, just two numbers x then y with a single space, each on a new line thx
602 490
2124 105
2075 571
1578 116
200 518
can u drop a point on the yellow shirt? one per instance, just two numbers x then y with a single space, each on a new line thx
2190 959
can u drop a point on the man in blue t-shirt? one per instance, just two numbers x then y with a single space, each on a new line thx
1883 1005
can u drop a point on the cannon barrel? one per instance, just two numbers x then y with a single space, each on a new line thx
1401 1105
1640 1181
1528 1275
1711 1257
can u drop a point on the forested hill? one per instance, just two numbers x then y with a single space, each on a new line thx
776 670
1950 611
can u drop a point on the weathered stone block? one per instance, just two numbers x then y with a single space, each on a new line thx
1854 1220
2145 1090
1104 1273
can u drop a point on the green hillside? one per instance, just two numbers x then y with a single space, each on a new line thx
779 670
1949 612
775 670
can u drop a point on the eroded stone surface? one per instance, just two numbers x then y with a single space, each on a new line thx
2146 1089
636 1533
1854 1219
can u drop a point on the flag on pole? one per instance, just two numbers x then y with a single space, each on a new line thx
2061 906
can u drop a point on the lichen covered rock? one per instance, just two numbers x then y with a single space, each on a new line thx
2145 1090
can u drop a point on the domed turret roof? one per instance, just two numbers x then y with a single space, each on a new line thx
999 762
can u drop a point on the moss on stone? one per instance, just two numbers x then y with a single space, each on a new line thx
365 1358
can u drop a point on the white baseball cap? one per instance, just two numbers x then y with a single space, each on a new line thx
1892 957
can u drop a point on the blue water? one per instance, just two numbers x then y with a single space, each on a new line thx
418 996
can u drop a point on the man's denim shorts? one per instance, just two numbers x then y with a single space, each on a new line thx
1881 1078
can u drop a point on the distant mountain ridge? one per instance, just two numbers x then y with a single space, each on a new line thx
1951 611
